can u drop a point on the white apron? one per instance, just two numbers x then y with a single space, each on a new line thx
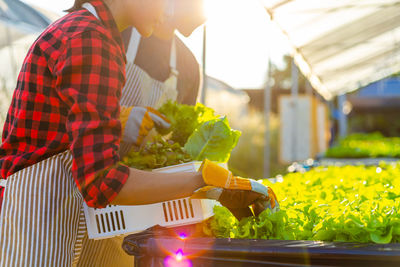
141 89
42 222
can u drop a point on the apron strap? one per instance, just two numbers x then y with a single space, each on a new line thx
3 183
134 42
133 46
91 9
172 60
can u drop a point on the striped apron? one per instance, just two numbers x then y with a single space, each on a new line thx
141 89
42 222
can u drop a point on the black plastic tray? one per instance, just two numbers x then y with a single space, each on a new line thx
152 249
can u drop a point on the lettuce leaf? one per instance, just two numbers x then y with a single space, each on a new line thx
213 140
184 119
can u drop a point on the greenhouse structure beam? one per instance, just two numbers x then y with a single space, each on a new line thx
340 45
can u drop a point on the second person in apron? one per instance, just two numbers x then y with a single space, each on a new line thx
153 75
161 67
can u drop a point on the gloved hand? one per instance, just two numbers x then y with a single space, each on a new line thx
137 122
239 201
215 175
235 193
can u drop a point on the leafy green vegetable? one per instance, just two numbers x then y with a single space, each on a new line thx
185 119
350 204
213 140
157 154
365 146
210 137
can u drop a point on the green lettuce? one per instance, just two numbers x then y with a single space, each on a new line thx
213 140
156 153
341 204
184 119
372 145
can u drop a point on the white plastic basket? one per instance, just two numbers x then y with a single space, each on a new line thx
121 220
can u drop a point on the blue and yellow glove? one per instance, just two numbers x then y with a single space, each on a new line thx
235 193
137 122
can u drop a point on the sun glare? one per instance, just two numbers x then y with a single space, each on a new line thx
215 8
227 9
238 36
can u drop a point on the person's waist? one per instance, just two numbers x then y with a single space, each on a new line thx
22 160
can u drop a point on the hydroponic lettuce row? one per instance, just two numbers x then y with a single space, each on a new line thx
350 204
365 146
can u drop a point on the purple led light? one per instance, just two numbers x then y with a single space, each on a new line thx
179 255
182 236
174 262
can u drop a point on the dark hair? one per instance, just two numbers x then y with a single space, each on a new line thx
77 5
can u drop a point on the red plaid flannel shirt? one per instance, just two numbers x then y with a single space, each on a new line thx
67 97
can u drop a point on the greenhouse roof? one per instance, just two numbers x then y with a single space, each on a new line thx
17 20
341 45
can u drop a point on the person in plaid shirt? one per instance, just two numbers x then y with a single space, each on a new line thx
63 131
67 97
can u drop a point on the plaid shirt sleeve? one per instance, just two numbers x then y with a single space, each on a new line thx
90 76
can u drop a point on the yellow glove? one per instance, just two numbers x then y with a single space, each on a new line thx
137 122
223 185
215 175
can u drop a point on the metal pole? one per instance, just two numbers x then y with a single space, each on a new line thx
204 89
308 88
267 114
342 116
295 95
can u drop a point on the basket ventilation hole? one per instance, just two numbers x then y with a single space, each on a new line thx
186 208
98 224
103 225
180 209
175 211
108 222
191 208
118 220
170 211
122 219
112 221
165 212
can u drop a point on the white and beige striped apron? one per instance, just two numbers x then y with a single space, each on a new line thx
42 221
140 88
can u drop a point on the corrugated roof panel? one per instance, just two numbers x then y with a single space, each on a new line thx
341 45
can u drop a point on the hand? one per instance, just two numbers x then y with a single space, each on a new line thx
215 175
137 122
239 201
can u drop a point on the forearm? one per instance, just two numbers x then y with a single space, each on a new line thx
189 89
144 187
